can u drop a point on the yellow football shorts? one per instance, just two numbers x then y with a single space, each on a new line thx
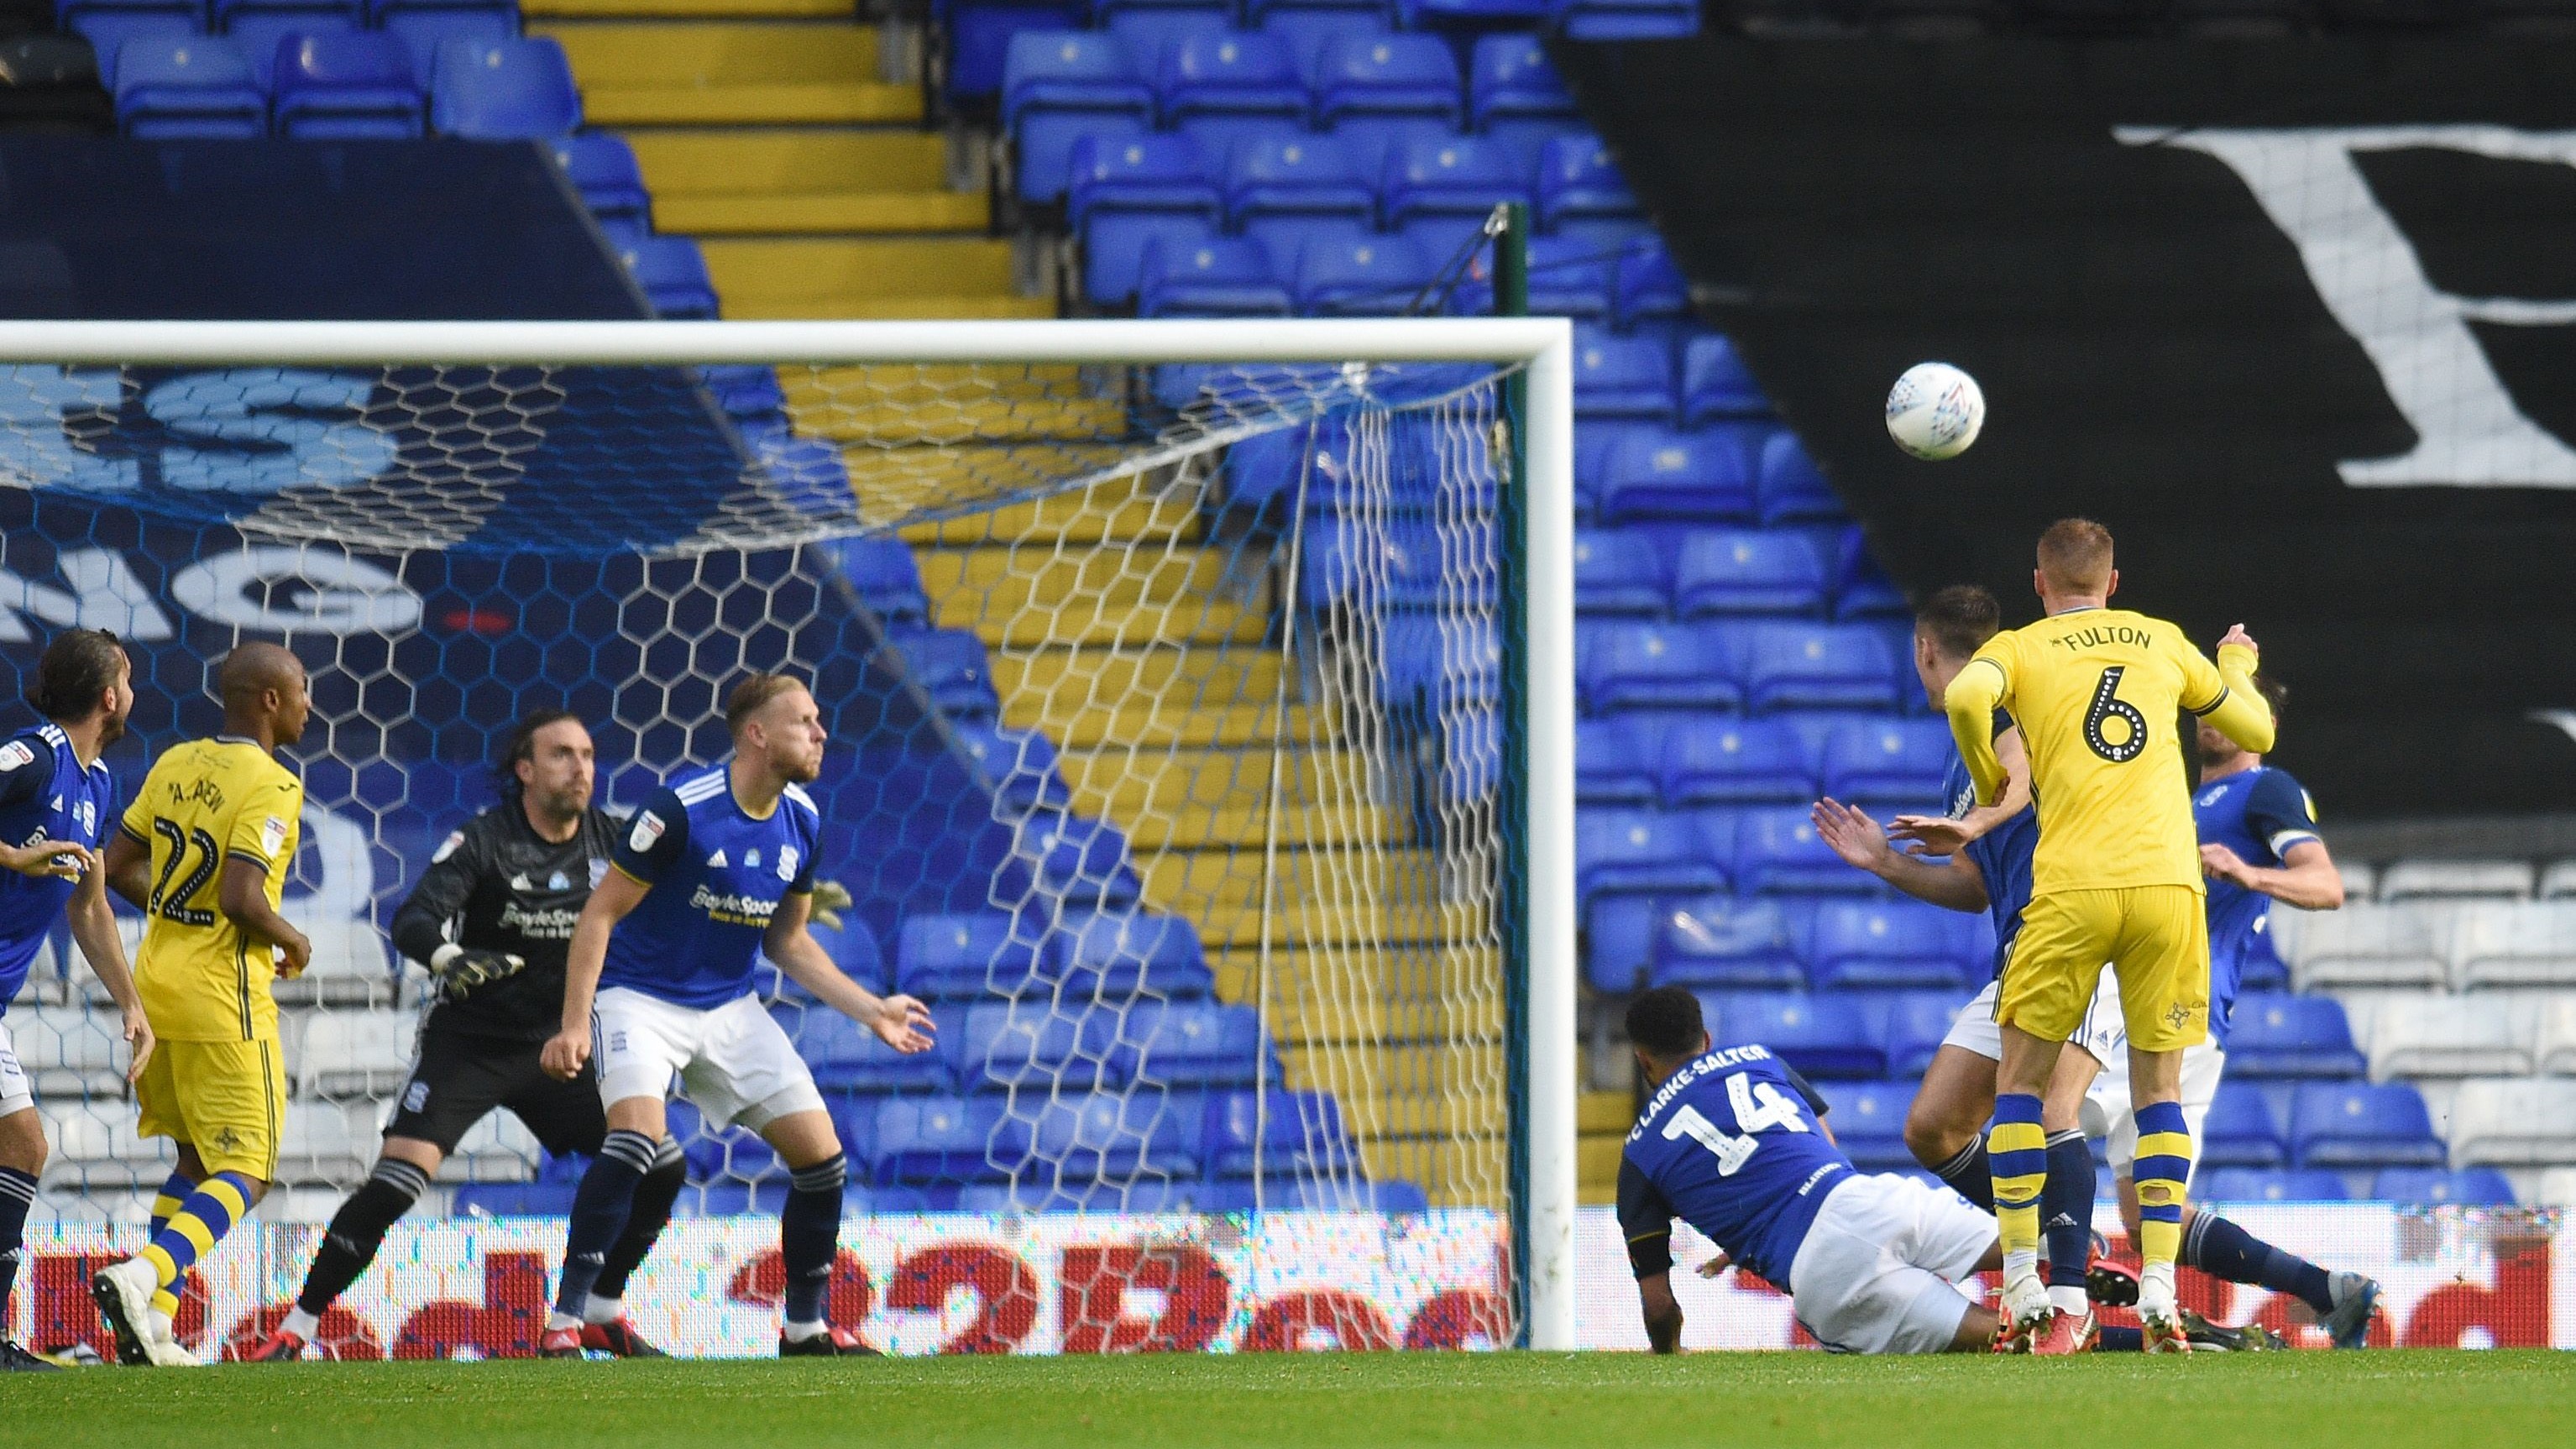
224 1098
2155 937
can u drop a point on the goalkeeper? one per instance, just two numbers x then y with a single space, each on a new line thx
491 919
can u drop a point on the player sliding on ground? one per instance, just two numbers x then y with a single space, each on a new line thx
55 797
204 850
2116 876
717 868
490 919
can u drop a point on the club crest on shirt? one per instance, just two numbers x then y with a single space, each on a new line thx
558 882
14 754
648 828
751 858
787 862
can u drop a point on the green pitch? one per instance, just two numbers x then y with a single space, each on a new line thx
2370 1400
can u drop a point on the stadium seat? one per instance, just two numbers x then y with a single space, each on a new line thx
881 571
1615 761
108 30
1646 286
187 87
2360 1124
347 86
1347 1194
602 168
263 34
1734 762
1059 86
2240 1130
1625 19
1438 190
1129 190
1715 384
1309 25
1621 377
1748 571
326 1144
73 1052
1026 1044
1717 942
2257 1184
1151 28
1080 862
1912 1026
1868 1119
2513 944
425 30
1642 852
1106 1136
749 395
1568 277
1232 85
1656 666
1208 277
2441 1187
2292 1036
1115 955
354 1054
2260 968
2530 1122
1181 1043
1372 276
673 275
2360 945
846 1056
1818 666
933 1139
1824 1036
1374 92
1888 762
2557 882
959 956
1618 571
2554 1053
1618 942
1792 491
503 90
2456 880
1579 186
1515 94
2451 1036
1777 850
1702 477
948 664
1288 191
1878 945
1019 766
1299 1132
1862 589
512 1200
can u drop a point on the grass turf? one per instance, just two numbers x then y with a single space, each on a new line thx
2381 1399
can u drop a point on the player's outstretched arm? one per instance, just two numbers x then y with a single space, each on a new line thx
1955 884
2241 714
1941 835
94 928
1663 1313
241 893
616 896
2306 878
1970 701
127 865
899 1021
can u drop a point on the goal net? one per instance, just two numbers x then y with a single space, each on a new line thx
1185 757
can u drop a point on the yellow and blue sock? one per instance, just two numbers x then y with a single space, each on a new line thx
2017 1148
165 1204
200 1222
17 1195
2164 1165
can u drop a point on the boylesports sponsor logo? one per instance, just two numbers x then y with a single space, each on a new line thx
539 925
733 910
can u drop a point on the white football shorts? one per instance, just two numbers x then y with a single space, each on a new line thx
733 1061
17 1093
2103 1034
1879 1270
2108 1110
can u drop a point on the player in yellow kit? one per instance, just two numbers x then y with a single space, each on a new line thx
2116 877
204 851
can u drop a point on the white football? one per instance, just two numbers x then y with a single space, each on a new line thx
1935 410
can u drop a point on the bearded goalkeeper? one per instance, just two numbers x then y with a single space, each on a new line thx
2116 877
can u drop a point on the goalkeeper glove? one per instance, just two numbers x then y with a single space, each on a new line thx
830 899
460 971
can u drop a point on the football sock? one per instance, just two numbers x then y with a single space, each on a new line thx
17 1195
651 1209
2018 1151
358 1229
809 1228
199 1224
599 1211
2121 1340
2066 1216
1970 1175
165 1204
2223 1250
2164 1165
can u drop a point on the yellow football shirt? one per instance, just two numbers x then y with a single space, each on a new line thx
203 803
2096 693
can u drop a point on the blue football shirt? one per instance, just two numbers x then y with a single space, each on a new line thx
2260 814
45 794
717 874
1729 1145
2002 855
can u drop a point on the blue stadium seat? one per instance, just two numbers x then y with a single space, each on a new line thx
1441 665
1868 1119
948 957
1220 88
879 569
2292 1036
1072 858
1293 1132
345 86
1568 277
1579 185
1888 761
1208 277
426 30
948 664
1371 276
187 87
513 1199
847 1057
1625 19
1108 1136
2362 1124
1792 490
108 30
1720 942
1129 190
1824 1036
2240 1130
262 35
1862 590
1647 287
979 34
1059 86
1346 1194
227 14
1438 190
1151 29
602 168
1114 955
1182 1043
1819 666
2261 968
1700 477
1376 92
1898 944
733 1199
1472 17
1735 762
2260 1184
2437 1187
1777 850
1621 377
1747 571
1618 942
1286 191
1715 383
1914 1025
1643 852
935 1139
1018 765
1615 761
1003 1044
1515 94
1618 571
852 947
809 471
503 90
1309 27
1656 666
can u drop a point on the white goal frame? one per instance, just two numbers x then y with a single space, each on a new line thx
1544 346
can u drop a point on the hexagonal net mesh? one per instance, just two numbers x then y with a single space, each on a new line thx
1167 751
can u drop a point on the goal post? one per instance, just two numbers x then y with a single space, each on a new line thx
1216 696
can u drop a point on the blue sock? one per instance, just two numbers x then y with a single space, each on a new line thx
809 1230
599 1210
1970 1174
17 1194
2066 1209
2121 1340
2223 1250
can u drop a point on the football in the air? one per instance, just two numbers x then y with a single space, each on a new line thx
1935 410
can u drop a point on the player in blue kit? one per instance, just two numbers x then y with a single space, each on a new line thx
55 797
1732 1142
715 870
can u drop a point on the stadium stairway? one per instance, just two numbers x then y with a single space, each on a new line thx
765 131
